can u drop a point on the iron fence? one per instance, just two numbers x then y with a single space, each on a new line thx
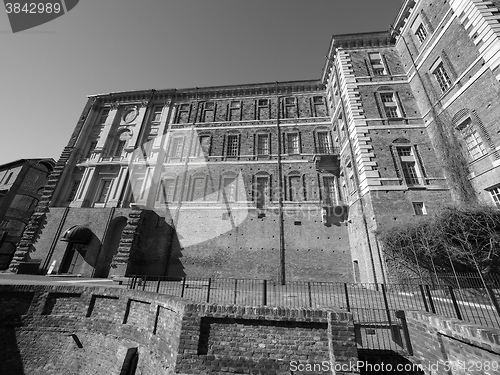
374 306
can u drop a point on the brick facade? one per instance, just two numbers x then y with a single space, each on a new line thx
287 180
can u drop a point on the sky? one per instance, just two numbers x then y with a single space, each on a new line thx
103 46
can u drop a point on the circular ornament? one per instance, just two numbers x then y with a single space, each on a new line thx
130 114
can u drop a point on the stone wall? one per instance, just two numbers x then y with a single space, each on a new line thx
450 346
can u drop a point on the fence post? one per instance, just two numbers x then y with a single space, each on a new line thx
235 290
400 314
455 304
158 286
423 297
493 299
132 282
310 295
208 290
431 302
183 286
348 305
144 285
384 293
264 292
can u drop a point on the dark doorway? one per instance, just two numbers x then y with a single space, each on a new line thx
72 257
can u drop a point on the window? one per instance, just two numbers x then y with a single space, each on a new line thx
330 190
198 189
72 192
137 190
390 105
103 191
495 195
472 139
230 192
103 116
410 172
293 143
157 113
263 111
4 223
208 112
377 64
419 208
421 33
296 191
119 148
290 108
319 106
234 113
232 145
203 146
324 143
183 113
262 191
92 147
442 77
166 191
262 144
408 165
8 178
176 148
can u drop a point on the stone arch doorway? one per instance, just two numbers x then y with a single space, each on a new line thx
110 245
77 237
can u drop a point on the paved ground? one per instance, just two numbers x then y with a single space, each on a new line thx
10 278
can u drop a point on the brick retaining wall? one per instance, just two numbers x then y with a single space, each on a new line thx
97 330
442 344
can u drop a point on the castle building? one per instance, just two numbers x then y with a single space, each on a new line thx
285 180
21 186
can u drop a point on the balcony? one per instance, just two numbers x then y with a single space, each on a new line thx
334 214
328 162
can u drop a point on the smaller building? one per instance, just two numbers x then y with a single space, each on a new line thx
21 186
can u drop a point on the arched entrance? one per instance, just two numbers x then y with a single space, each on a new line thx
77 238
110 245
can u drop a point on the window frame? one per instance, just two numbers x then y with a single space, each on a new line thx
494 195
419 208
468 130
441 76
326 148
263 148
391 105
421 33
377 64
157 114
234 148
290 146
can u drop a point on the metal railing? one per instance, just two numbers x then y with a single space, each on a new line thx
374 306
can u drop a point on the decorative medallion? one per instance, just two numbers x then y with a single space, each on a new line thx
130 114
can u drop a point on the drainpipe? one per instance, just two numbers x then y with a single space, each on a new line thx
282 275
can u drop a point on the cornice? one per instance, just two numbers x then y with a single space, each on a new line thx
402 16
203 93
